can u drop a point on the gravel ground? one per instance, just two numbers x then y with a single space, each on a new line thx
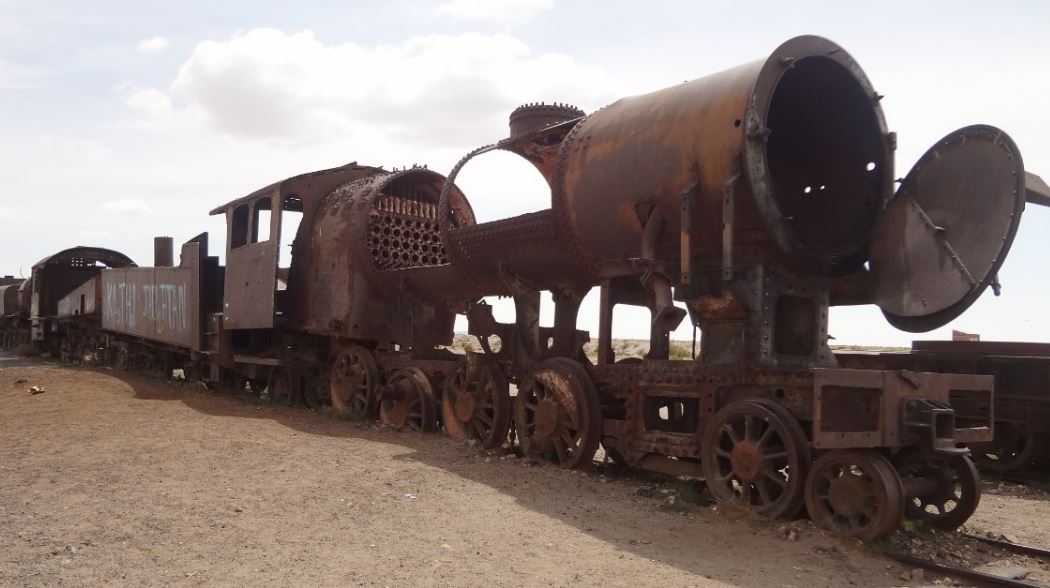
114 478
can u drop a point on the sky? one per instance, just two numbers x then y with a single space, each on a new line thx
122 120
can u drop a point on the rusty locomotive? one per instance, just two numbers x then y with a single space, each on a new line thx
748 201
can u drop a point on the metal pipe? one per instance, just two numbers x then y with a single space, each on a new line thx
163 252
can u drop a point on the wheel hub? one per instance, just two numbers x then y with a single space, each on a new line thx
465 407
546 419
848 495
746 459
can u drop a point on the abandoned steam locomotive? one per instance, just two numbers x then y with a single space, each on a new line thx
749 201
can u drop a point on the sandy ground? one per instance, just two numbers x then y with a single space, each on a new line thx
113 478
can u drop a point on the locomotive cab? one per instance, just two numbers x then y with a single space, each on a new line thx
258 285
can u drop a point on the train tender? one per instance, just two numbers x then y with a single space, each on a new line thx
750 201
1022 391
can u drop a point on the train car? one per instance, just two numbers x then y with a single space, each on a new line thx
749 201
163 309
1022 391
10 311
43 302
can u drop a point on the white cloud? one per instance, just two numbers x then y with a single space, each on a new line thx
6 214
442 90
127 207
67 148
496 11
151 102
153 44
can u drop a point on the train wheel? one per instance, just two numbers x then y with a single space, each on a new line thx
121 360
856 493
557 413
408 400
1014 447
353 382
943 491
756 455
476 404
317 391
282 386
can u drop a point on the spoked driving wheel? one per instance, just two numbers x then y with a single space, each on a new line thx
756 455
1014 447
856 493
556 413
944 491
476 403
354 379
407 400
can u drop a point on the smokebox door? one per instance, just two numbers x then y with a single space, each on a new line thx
944 235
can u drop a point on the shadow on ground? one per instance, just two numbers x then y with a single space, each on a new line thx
703 541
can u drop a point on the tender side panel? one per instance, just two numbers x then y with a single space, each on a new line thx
115 300
158 304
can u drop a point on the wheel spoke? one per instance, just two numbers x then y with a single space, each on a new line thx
560 449
763 492
567 438
764 438
771 475
473 429
776 455
733 436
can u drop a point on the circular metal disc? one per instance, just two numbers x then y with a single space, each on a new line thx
943 237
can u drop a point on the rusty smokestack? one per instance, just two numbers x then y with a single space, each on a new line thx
532 117
163 252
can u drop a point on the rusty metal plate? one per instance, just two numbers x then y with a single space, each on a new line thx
158 304
862 408
945 234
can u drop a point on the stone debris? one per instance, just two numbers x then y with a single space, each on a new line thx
647 490
1010 572
916 574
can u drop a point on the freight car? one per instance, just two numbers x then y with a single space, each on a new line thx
10 311
39 309
1022 391
754 198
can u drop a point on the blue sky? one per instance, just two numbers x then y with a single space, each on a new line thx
123 120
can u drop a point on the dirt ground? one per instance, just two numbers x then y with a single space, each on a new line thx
114 478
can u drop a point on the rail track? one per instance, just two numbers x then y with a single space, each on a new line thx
982 578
